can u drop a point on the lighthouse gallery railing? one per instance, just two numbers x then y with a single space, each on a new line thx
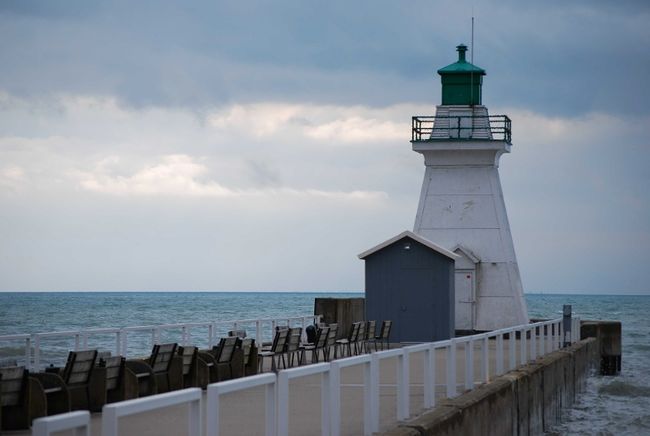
469 127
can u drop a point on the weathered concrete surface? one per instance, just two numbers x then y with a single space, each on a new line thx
468 413
609 338
527 401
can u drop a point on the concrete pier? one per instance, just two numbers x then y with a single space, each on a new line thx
243 412
527 400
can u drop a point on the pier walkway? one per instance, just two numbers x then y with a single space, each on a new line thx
243 412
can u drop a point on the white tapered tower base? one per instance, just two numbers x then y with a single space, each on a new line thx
462 209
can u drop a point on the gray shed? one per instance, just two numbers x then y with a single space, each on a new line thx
410 280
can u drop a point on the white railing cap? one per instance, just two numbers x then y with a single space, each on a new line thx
15 337
418 347
62 333
243 383
388 353
316 368
140 327
64 421
100 330
138 405
351 361
441 344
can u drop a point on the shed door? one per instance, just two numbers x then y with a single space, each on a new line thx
464 300
414 300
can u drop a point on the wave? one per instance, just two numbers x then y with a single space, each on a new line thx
639 347
14 352
619 388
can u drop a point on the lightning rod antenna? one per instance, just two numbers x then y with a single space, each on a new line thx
471 54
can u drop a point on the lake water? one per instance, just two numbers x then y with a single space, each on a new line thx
609 406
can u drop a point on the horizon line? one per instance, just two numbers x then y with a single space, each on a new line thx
551 292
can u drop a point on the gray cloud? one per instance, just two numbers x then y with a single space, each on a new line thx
148 145
561 58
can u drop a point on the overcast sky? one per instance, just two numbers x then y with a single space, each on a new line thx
263 145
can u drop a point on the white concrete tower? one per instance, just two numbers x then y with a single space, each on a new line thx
461 202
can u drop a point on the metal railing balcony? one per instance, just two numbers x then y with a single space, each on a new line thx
464 127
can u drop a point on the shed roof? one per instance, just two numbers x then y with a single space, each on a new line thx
413 236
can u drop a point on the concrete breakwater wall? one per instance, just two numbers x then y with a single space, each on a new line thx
527 401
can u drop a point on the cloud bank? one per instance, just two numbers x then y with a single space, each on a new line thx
262 146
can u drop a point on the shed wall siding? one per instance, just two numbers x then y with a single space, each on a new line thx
414 288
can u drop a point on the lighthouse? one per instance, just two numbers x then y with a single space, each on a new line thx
461 202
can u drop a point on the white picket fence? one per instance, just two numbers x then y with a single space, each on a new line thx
83 339
534 340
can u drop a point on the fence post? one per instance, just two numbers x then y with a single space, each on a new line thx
283 404
271 409
451 369
403 407
186 335
499 355
524 348
485 360
118 341
576 329
195 424
566 324
212 413
374 393
533 343
367 399
512 350
109 422
325 401
28 353
37 353
469 364
125 334
335 398
429 377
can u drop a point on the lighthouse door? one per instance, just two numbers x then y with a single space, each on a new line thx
460 124
464 299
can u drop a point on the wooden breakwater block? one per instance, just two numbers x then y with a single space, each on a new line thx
608 335
342 311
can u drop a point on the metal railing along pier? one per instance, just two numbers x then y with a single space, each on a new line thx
183 333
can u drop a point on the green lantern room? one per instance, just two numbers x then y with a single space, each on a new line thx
461 81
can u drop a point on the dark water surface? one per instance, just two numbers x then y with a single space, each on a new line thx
617 405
